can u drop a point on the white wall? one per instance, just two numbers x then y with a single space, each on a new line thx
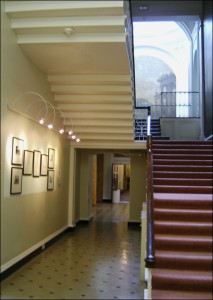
180 128
32 217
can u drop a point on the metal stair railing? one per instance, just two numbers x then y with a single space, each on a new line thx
150 259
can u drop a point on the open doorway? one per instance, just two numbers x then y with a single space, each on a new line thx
87 180
121 183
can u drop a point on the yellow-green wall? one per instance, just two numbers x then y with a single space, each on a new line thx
36 215
137 187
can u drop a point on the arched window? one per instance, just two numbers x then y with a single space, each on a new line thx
163 66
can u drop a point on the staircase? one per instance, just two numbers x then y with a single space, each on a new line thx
182 175
141 129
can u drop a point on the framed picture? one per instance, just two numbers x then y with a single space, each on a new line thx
44 163
16 180
17 151
36 163
50 180
28 162
51 158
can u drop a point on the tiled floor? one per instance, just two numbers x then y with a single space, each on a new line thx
100 260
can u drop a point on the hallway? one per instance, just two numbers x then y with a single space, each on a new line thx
100 260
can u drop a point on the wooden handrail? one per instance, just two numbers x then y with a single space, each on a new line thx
150 259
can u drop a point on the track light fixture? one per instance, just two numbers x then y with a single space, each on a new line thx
44 112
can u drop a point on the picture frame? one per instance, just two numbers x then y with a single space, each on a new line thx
44 164
28 162
50 180
36 163
51 158
17 151
16 180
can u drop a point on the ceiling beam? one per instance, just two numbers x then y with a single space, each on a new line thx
74 38
91 78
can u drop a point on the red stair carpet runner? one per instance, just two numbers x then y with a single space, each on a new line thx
182 172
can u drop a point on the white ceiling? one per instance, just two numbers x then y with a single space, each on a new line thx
89 70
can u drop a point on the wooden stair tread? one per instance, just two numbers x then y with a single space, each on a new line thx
184 223
184 214
180 237
181 146
182 274
182 168
168 294
184 260
183 227
178 151
180 181
181 164
186 254
187 142
177 174
183 188
184 211
174 196
191 280
181 155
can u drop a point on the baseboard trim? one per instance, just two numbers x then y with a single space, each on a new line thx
107 200
18 261
86 220
134 225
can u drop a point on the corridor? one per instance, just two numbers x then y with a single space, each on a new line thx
99 260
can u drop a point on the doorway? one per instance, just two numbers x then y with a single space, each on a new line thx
85 182
121 182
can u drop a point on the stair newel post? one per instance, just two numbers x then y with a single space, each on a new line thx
150 251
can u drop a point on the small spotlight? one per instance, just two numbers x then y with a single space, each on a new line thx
70 132
61 131
50 126
41 121
77 140
73 137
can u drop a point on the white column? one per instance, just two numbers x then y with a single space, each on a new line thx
202 92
